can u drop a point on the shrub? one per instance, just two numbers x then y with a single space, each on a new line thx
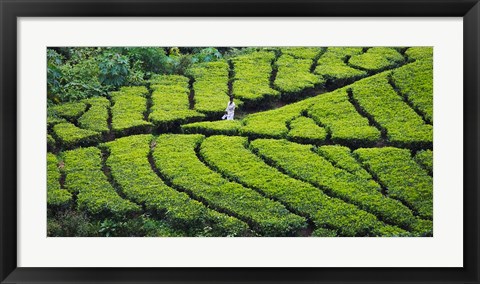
130 168
114 68
404 179
331 65
415 82
244 167
224 127
300 162
56 197
403 127
69 135
305 130
52 120
70 223
302 52
96 117
425 159
252 77
83 169
420 53
341 157
177 161
170 105
129 106
211 87
294 75
340 118
70 111
377 59
325 233
50 142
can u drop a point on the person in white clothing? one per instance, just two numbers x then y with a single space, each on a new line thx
230 110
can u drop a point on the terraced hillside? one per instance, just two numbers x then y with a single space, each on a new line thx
326 142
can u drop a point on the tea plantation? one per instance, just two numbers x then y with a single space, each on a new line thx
326 142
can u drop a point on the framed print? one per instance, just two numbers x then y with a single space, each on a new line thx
228 142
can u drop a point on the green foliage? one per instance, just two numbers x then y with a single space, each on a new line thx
341 157
54 74
300 162
425 159
223 127
252 77
302 52
415 83
377 59
420 53
129 107
96 117
69 111
176 159
325 233
69 135
69 223
170 105
114 69
130 168
342 121
95 195
52 120
229 156
294 74
331 65
56 197
404 179
404 127
211 87
50 142
305 130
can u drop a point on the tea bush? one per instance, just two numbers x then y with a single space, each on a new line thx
305 130
377 59
294 75
425 159
341 157
331 65
96 117
223 127
70 136
128 111
56 197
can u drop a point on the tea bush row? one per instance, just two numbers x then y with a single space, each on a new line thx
176 159
425 159
402 176
331 65
252 77
341 157
96 117
71 136
300 162
377 59
128 110
95 194
132 171
170 103
70 111
56 197
302 52
224 127
229 156
305 130
294 75
403 127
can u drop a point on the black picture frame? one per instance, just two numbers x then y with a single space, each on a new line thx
11 10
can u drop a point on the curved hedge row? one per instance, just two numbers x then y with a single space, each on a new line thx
425 159
294 75
56 197
300 162
131 169
377 59
70 135
341 157
176 159
303 52
305 130
96 117
402 176
95 195
170 103
222 127
331 65
230 156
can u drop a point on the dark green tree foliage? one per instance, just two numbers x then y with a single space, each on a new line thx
305 130
341 157
95 195
415 82
346 126
404 179
229 156
211 87
402 125
252 77
96 117
300 162
170 104
131 169
128 110
294 75
425 159
56 197
176 159
332 66
70 135
377 59
114 69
